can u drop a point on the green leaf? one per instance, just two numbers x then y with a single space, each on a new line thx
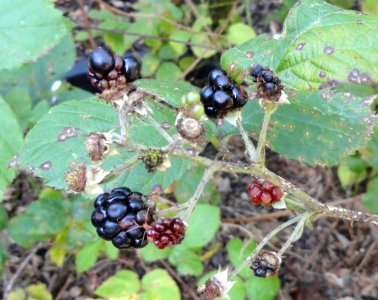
186 261
239 33
37 78
158 285
51 157
28 29
149 65
202 39
168 71
38 292
186 188
3 217
122 284
10 142
86 257
20 102
238 291
151 254
262 288
321 44
369 199
370 7
199 233
168 91
316 127
238 251
3 256
43 219
180 35
372 150
111 251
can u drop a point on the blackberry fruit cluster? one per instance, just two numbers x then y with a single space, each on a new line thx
269 83
264 193
266 264
107 70
222 95
166 232
122 216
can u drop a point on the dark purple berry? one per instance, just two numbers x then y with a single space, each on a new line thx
112 75
115 197
143 217
135 233
276 80
270 87
239 95
256 70
122 241
131 68
139 243
101 60
124 190
135 204
267 76
101 199
98 217
214 74
259 272
119 63
206 95
222 101
127 221
210 111
111 228
116 211
222 82
102 234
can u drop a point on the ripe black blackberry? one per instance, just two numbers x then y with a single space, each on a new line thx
122 216
167 232
107 70
269 85
222 96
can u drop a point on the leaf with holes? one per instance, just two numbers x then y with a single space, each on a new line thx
10 142
21 22
57 142
316 127
321 45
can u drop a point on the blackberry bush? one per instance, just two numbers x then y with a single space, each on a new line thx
306 98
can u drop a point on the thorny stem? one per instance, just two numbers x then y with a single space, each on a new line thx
173 209
265 240
251 150
162 132
262 137
295 234
208 174
121 169
311 203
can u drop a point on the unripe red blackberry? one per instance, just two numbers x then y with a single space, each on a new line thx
167 232
122 216
264 193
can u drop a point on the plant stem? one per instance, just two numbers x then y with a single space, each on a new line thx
173 209
262 138
294 235
208 174
265 240
247 4
162 132
87 24
251 150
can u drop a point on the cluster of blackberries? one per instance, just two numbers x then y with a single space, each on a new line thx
266 264
107 70
222 95
122 216
268 82
264 193
166 232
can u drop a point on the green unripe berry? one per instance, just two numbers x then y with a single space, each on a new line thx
193 98
197 111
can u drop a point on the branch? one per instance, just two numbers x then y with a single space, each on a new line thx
197 194
251 150
262 138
